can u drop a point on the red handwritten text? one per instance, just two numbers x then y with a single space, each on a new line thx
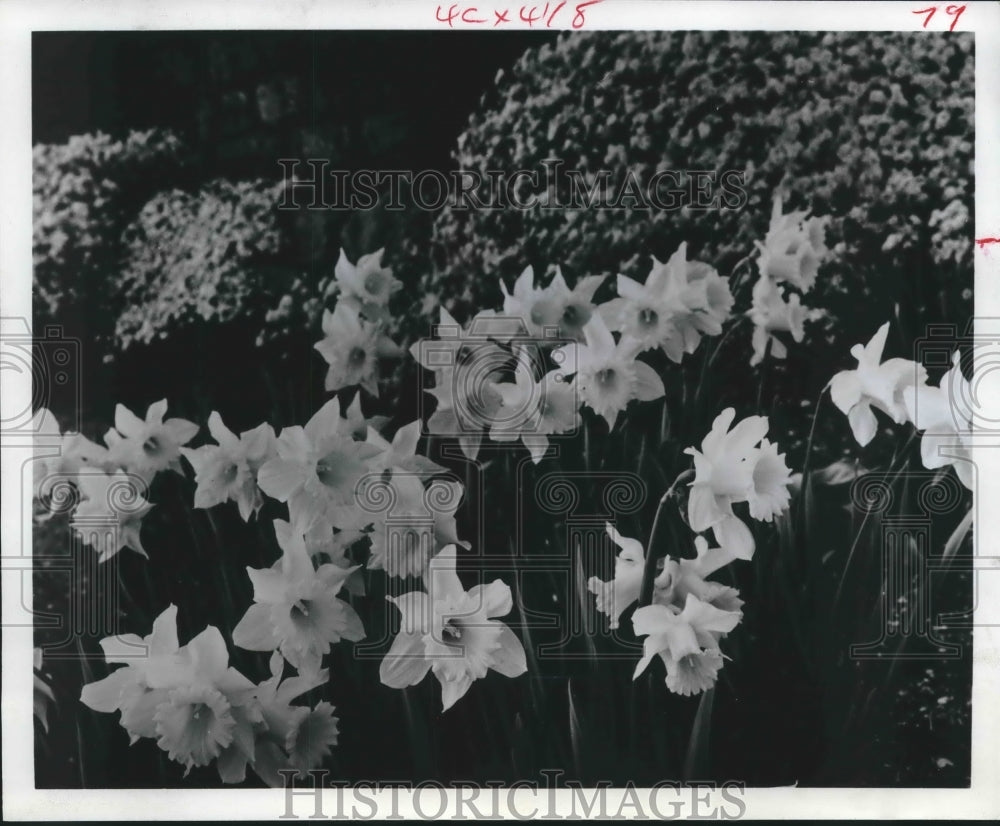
952 11
547 15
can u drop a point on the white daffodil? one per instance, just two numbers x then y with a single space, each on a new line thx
296 610
366 286
110 513
686 640
874 383
467 365
419 523
615 596
534 409
944 415
680 577
793 247
317 469
228 470
736 466
554 311
352 347
186 697
772 313
608 375
452 632
60 457
144 448
402 451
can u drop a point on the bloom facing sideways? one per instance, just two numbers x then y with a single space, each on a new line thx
942 413
59 457
452 632
608 375
296 610
614 597
109 516
228 470
366 286
144 448
792 248
317 469
772 313
736 465
352 348
680 577
686 640
874 384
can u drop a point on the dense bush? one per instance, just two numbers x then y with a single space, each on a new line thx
85 192
875 130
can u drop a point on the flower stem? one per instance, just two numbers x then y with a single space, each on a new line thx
649 569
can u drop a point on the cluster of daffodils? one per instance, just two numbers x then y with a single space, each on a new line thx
109 482
898 388
689 614
525 372
199 709
789 258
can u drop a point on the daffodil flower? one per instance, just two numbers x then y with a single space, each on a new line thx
186 697
110 513
288 736
793 247
554 311
60 457
402 451
317 469
680 577
608 376
452 632
144 448
228 470
614 597
874 384
366 286
352 347
686 640
296 610
943 414
535 409
772 313
467 365
731 467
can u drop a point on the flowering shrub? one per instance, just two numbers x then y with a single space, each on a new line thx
872 132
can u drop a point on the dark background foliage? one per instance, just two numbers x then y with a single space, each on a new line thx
158 244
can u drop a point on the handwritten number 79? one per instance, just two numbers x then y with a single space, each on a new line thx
952 11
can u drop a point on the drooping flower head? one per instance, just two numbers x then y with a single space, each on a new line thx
608 375
453 633
772 313
228 470
874 384
352 347
144 448
296 610
616 595
686 640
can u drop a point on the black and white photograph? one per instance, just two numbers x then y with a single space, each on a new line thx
485 410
